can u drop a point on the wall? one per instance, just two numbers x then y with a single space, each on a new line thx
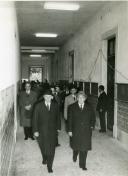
44 61
9 78
112 19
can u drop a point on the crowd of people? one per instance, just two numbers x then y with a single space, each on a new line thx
42 107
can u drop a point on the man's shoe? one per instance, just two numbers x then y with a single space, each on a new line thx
84 168
32 138
44 162
74 159
26 138
50 170
102 131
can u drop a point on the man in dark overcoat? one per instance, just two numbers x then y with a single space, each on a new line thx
80 124
102 108
46 124
27 99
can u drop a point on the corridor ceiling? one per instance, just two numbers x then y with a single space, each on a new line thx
33 18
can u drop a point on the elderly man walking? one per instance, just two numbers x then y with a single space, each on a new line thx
80 124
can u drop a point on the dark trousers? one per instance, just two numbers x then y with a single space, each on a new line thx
57 139
49 159
82 157
102 120
28 132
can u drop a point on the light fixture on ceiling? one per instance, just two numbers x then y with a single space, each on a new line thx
61 6
38 50
43 51
35 55
51 35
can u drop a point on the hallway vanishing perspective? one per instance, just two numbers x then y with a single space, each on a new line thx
107 158
64 45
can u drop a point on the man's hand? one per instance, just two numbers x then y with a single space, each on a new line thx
70 134
28 107
101 110
58 131
92 128
36 134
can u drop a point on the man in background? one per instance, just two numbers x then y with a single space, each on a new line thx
27 99
70 99
102 108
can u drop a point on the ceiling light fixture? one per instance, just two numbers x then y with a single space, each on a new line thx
45 35
61 6
38 50
35 55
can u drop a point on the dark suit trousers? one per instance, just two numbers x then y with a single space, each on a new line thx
102 120
48 158
82 158
57 139
75 154
28 132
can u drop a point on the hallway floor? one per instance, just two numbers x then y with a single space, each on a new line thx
107 158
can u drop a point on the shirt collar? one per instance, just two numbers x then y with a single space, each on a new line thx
28 91
81 105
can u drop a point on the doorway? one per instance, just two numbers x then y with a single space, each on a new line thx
71 66
36 73
110 81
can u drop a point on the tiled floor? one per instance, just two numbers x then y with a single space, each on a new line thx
107 158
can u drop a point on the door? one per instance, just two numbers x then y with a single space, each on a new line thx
36 73
110 82
71 66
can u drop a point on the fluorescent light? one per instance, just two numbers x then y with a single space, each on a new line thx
35 55
38 50
45 35
61 6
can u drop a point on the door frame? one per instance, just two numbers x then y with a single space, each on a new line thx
103 80
71 65
35 66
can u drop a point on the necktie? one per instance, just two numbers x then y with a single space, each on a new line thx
81 107
48 107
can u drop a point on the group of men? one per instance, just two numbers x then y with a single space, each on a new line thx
42 120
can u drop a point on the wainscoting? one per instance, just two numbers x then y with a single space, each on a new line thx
122 117
7 126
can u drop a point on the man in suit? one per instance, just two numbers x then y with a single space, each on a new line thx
102 108
27 99
57 99
46 124
81 122
70 99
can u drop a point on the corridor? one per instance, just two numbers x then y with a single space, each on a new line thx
56 46
107 158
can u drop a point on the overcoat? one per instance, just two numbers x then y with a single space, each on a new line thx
46 122
25 99
80 123
68 101
102 102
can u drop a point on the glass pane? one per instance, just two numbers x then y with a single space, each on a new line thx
36 74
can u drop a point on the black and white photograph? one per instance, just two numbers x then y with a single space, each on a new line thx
63 88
